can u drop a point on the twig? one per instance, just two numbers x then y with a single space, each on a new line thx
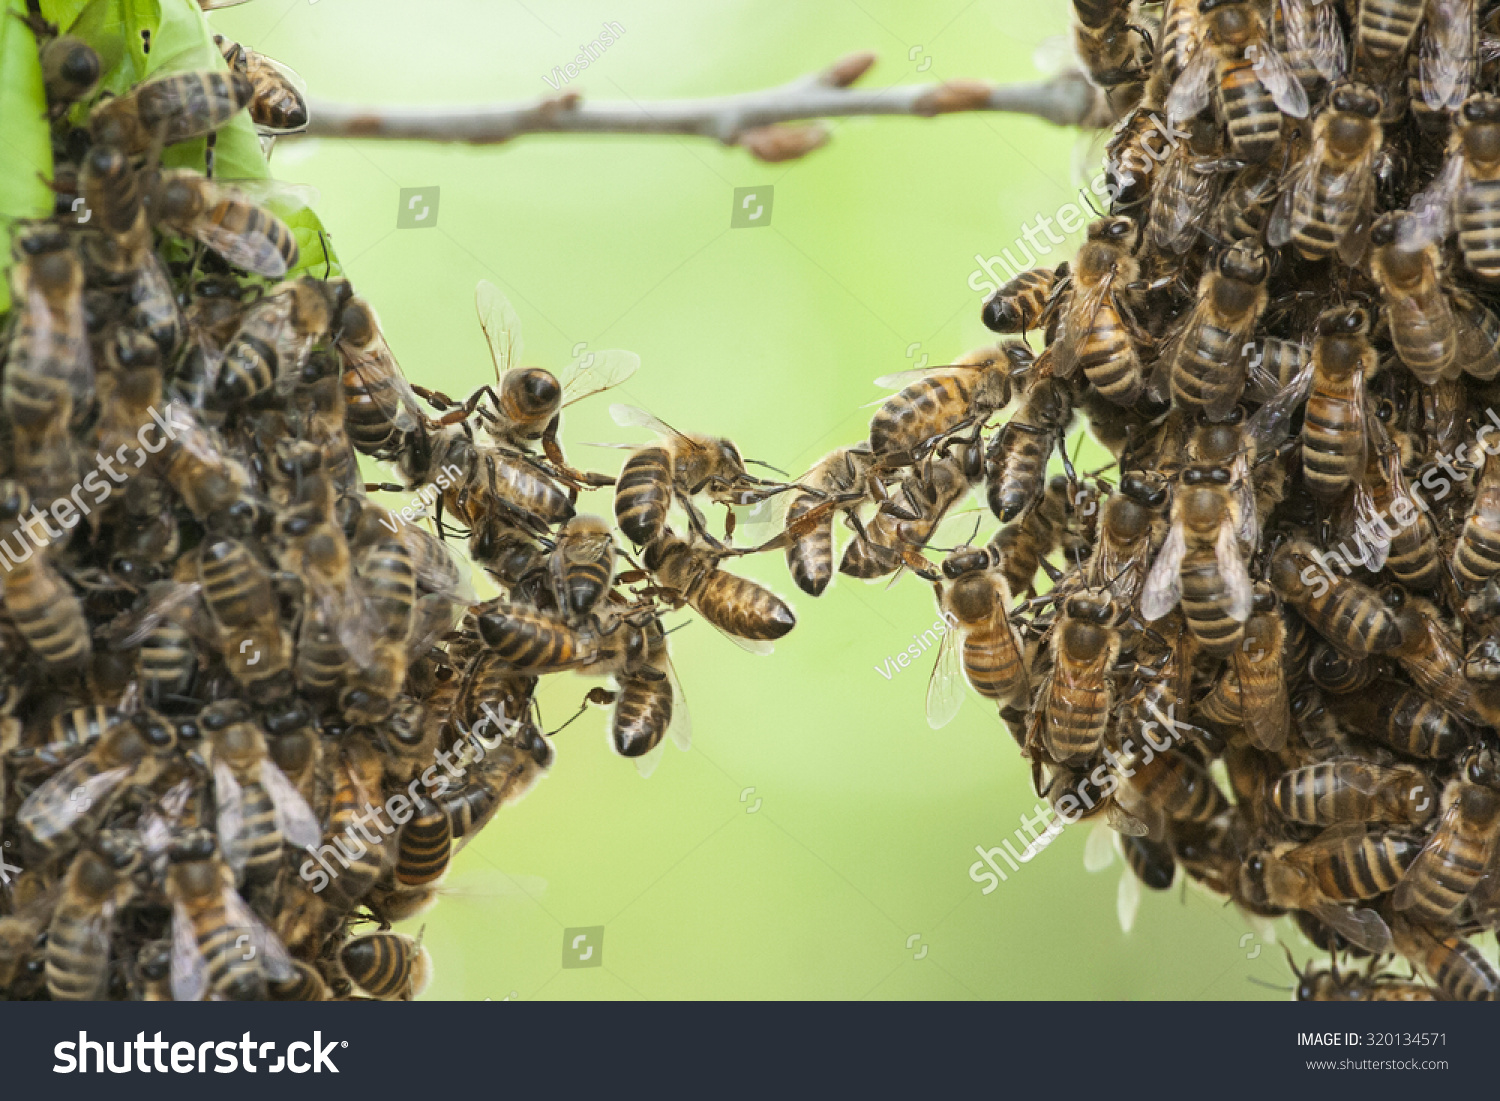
755 120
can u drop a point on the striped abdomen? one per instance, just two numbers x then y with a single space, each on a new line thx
1322 213
643 712
809 557
425 845
1352 618
235 585
1461 972
1205 603
1414 558
389 576
1017 307
1108 357
1477 219
1076 717
1476 555
1150 861
531 642
77 952
239 218
1423 330
1251 116
252 360
1331 444
1208 370
643 494
1403 719
1363 866
260 837
79 727
928 407
190 105
48 615
370 401
992 661
1014 467
1181 787
866 558
740 607
1386 27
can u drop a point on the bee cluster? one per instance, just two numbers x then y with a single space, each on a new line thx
1271 655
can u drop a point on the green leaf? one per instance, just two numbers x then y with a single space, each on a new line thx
25 143
113 28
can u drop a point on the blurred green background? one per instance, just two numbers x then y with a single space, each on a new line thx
817 839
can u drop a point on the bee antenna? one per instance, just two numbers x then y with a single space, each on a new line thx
327 258
1270 985
768 466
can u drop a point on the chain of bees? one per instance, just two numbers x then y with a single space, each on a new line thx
1284 333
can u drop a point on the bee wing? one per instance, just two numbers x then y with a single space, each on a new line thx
750 645
501 325
1377 547
1432 207
628 416
1237 584
95 933
1445 54
945 687
254 251
1363 927
1277 76
681 728
1356 239
1434 855
229 798
382 376
213 5
898 380
189 968
1193 86
1279 225
597 372
294 818
1312 28
1081 310
62 355
275 964
1127 900
1099 848
1163 588
1266 724
646 763
55 807
1271 424
130 629
1328 843
1124 822
1226 398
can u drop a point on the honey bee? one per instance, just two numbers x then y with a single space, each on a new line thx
78 936
1126 534
896 535
1460 853
258 807
1476 553
1412 553
1334 436
1385 29
383 418
1181 32
236 588
841 474
218 945
1200 564
941 401
1332 985
976 607
1326 205
1447 54
45 611
1078 697
1286 876
71 68
277 101
1208 363
1462 196
679 467
1130 159
1109 46
199 469
275 339
1018 306
649 704
1308 34
582 565
306 986
387 966
1098 333
48 343
1253 82
1166 786
70 804
170 109
1454 965
186 204
1408 271
1184 195
424 845
531 641
743 609
1401 718
1350 615
1253 690
1431 656
526 403
1478 352
1015 462
1350 789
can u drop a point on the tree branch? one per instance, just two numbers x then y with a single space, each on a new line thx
758 121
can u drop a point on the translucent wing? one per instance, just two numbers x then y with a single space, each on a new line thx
646 763
229 798
1128 900
1271 424
1279 79
1237 584
1431 208
501 325
898 380
294 818
189 968
1434 855
164 599
1163 587
1312 30
1123 822
597 372
254 251
1356 238
1367 519
628 416
212 5
56 807
1099 848
383 381
61 352
1279 226
1445 58
945 688
1266 724
1363 927
275 964
95 934
681 729
1191 90
1081 310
